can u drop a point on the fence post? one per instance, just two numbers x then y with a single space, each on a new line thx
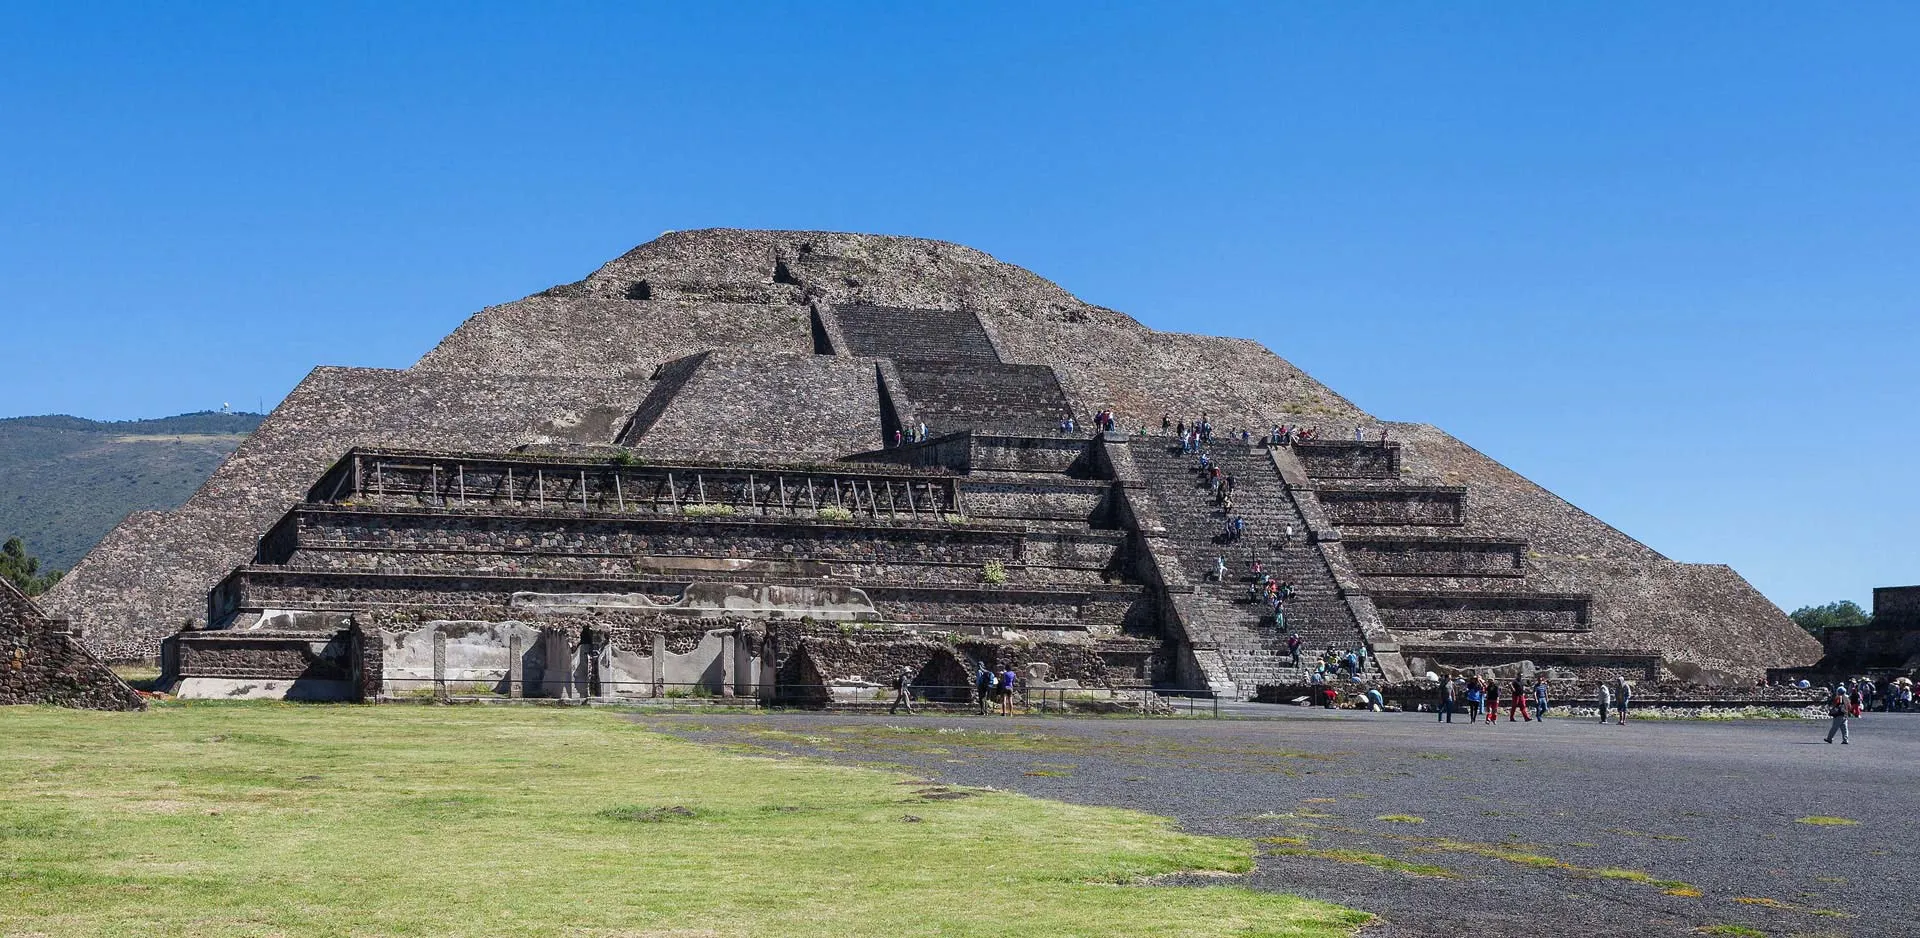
439 666
516 676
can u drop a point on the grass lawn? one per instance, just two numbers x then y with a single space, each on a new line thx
231 819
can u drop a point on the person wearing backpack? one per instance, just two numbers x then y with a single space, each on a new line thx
902 691
983 686
1008 680
1839 707
1621 701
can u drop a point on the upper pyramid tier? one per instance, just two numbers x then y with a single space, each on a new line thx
693 291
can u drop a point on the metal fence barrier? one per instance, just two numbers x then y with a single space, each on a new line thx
940 698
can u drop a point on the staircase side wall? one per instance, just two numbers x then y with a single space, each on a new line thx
1382 645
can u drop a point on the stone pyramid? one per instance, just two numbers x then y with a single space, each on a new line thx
772 357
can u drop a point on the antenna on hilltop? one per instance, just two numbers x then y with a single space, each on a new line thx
225 407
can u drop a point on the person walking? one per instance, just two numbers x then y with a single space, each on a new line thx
1443 707
1476 693
902 691
1519 702
1621 700
1540 699
1493 701
1839 707
983 685
1606 699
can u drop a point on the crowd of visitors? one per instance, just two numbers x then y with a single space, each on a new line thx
1847 700
1479 697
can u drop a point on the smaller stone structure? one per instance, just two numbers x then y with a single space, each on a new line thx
42 662
1888 647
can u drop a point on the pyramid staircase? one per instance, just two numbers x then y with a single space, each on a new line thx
1253 648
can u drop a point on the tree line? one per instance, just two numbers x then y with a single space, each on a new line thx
1845 614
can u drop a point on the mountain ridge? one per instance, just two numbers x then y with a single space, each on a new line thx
65 481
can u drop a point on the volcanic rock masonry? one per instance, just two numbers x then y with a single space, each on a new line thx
700 466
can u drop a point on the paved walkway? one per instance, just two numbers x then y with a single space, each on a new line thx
1561 828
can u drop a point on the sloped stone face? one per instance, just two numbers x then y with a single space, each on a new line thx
151 574
39 665
739 319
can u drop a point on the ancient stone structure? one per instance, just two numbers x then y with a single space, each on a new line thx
1887 647
42 663
701 461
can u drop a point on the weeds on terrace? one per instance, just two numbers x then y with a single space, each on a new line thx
707 511
834 513
994 573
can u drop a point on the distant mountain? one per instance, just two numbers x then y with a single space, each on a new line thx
65 481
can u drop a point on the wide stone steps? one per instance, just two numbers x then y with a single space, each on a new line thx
1254 650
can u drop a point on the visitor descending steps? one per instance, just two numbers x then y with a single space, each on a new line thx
1228 514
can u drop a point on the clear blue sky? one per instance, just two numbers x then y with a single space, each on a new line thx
1659 257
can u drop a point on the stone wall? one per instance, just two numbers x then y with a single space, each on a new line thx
1415 556
40 663
737 404
1360 505
1896 606
1348 459
1494 611
263 664
152 573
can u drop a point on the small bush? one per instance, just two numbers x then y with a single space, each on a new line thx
707 511
994 573
835 513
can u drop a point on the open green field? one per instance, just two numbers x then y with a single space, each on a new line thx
224 819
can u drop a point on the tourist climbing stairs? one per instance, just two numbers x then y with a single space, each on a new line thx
1253 647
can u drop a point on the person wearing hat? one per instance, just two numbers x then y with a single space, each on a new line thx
1839 707
902 690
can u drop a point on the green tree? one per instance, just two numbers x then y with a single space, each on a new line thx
23 570
1845 614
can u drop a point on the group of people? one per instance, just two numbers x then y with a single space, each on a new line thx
1480 696
1191 436
1350 664
1848 699
910 435
992 689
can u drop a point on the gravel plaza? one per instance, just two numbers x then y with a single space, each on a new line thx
1562 828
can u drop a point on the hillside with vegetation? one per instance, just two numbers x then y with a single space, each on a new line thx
66 481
